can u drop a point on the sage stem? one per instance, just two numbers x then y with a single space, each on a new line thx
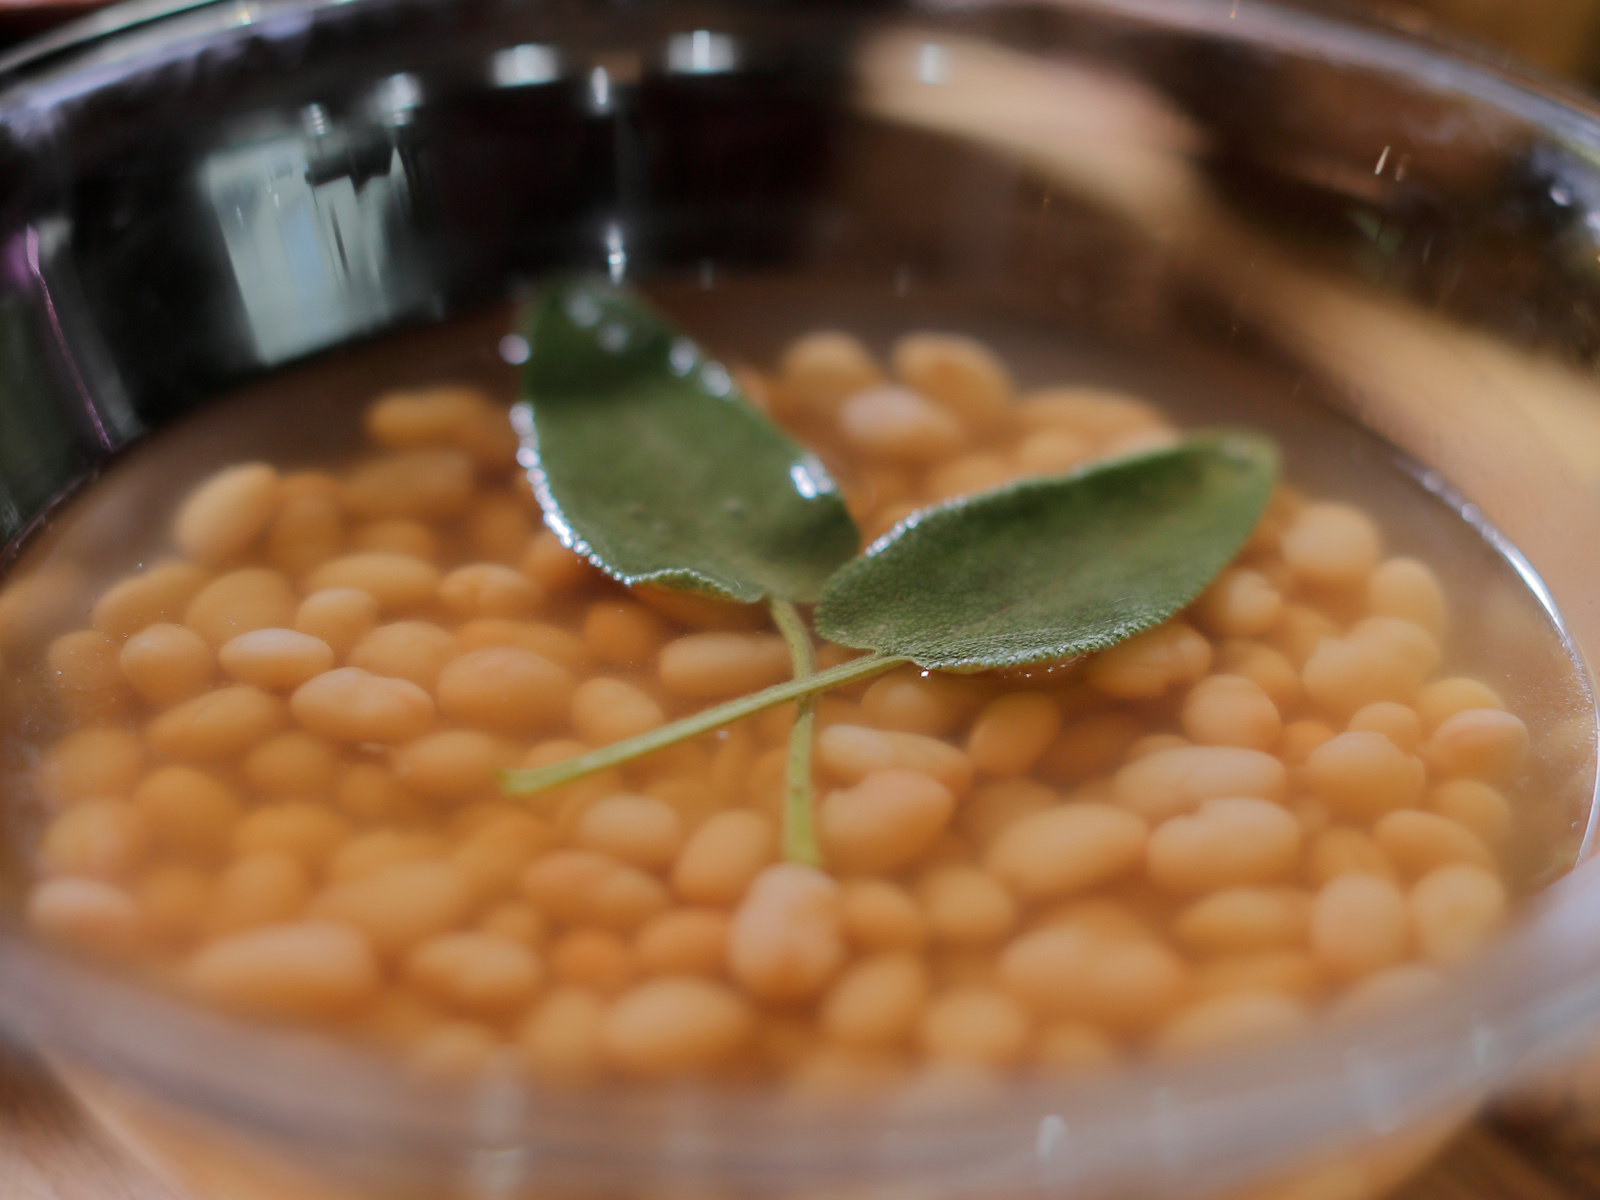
799 824
525 782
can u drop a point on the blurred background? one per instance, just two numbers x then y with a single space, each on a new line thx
1561 37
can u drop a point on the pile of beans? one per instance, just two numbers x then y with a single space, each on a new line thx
277 794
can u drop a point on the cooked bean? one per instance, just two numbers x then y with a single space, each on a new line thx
1454 910
712 666
351 705
307 531
560 646
1343 851
1301 629
624 633
369 792
396 581
499 528
160 594
818 370
1011 732
479 972
883 822
899 425
369 852
493 856
910 701
92 762
1476 805
95 839
959 373
1227 842
399 906
216 724
301 969
1332 545
609 710
966 475
561 1039
1170 782
1230 710
341 617
639 830
1417 842
488 590
503 688
1397 722
221 518
1067 849
966 906
1239 603
1242 920
852 752
258 889
596 959
1231 1020
1478 743
425 484
585 887
684 941
1267 668
975 1025
311 832
167 664
87 913
1126 984
786 942
292 764
454 764
1293 973
413 650
877 1002
1074 1046
175 902
721 858
877 915
412 539
1090 746
1147 664
552 566
1359 925
242 600
430 417
1052 451
84 670
997 805
1404 587
520 922
1363 775
1445 697
275 658
188 812
675 1026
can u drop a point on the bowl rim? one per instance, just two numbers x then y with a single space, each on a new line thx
1192 1123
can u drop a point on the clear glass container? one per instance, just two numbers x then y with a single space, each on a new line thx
1273 207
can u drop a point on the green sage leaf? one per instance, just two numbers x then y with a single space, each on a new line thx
1048 568
648 460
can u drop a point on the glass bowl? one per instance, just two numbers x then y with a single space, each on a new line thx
1275 207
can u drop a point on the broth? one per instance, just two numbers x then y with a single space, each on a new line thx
634 924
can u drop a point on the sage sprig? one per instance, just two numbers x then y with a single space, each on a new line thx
1034 571
647 460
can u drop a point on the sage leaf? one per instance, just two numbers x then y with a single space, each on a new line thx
647 459
1049 568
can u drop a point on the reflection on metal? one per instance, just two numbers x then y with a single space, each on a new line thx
599 91
316 226
616 253
933 65
701 53
525 66
396 98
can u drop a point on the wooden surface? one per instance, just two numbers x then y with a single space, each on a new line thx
50 1149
